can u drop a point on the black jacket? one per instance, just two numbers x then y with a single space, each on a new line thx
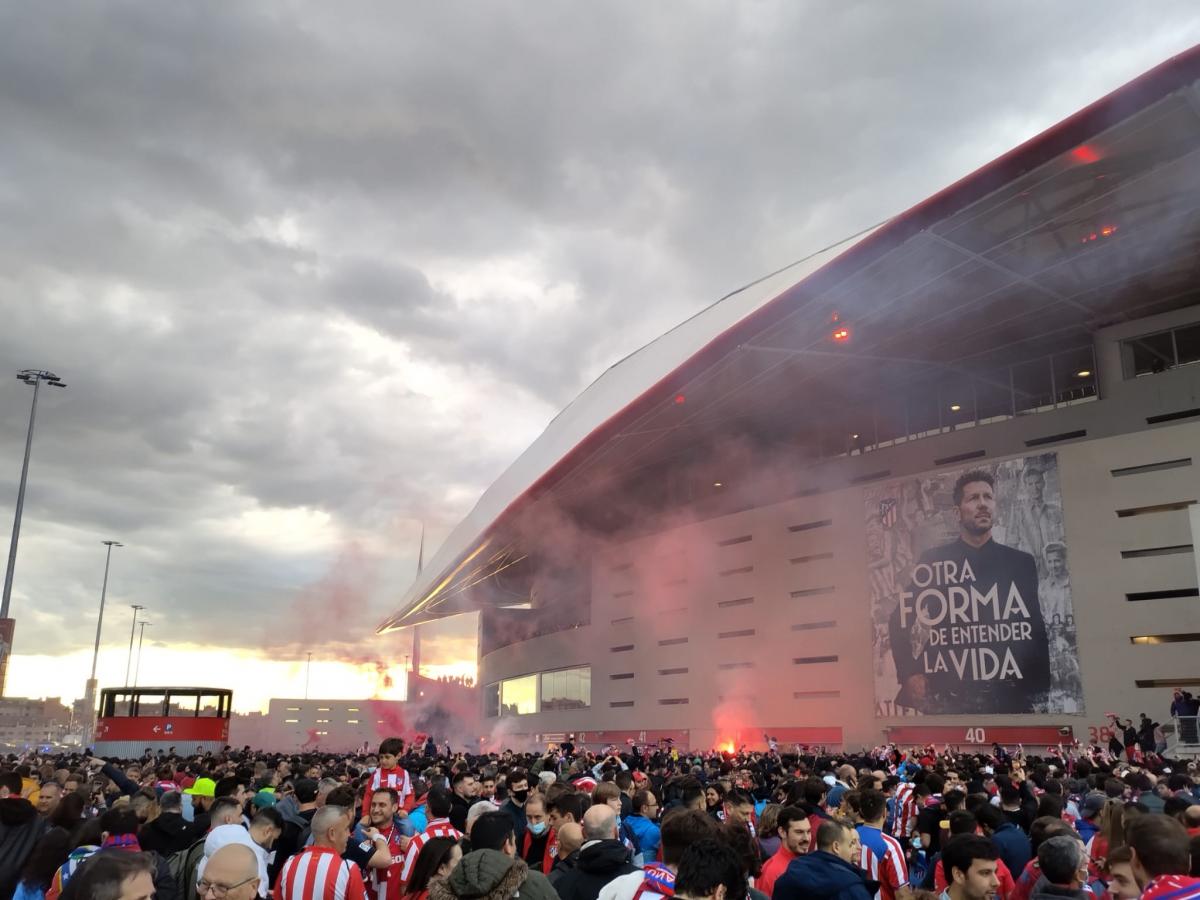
459 807
20 828
167 834
599 863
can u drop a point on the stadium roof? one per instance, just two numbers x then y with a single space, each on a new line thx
1092 222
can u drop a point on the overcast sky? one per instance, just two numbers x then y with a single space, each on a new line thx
317 273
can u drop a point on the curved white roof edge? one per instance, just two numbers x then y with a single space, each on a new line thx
620 385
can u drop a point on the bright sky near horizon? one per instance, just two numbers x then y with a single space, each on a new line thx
316 275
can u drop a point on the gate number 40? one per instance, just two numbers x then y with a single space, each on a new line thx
976 736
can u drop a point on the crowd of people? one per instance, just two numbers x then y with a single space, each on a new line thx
411 822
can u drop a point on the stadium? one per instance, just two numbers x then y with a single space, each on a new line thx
934 483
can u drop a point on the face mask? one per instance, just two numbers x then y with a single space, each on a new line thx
520 796
539 829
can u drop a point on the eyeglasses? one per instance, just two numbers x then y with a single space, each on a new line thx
220 890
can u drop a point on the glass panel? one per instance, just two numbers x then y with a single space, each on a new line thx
567 689
1074 375
150 704
210 706
957 400
491 700
993 394
923 409
889 418
518 696
1187 344
1149 354
1031 383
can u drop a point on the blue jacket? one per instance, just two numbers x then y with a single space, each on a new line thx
1014 847
647 836
820 875
1086 828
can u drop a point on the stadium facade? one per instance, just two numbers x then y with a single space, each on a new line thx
938 482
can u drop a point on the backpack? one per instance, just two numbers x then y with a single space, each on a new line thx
183 864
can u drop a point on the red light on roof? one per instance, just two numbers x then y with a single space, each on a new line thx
680 399
1085 154
841 335
1102 232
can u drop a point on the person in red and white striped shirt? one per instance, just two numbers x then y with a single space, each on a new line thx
318 872
390 774
881 856
906 811
439 803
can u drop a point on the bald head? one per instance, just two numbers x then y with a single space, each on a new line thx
233 864
599 823
570 838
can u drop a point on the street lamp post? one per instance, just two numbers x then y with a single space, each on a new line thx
34 377
137 667
90 692
307 673
132 631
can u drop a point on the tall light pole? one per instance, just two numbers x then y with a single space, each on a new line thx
34 377
137 667
307 673
90 692
132 631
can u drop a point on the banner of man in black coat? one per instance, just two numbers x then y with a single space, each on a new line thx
970 592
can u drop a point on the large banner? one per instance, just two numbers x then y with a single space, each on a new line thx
971 592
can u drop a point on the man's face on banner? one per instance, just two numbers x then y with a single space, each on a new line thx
1056 562
1035 484
977 509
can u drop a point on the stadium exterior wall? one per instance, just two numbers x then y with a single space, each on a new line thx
769 692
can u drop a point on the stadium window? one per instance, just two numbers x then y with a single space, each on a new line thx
621 648
811 660
351 709
567 688
735 665
744 632
620 676
1177 638
293 709
518 696
1172 594
352 721
1167 682
491 700
1187 344
815 695
322 721
813 626
322 733
670 642
620 704
1148 354
322 709
291 721
675 671
673 701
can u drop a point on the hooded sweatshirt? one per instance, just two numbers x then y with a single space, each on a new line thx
491 875
820 875
20 829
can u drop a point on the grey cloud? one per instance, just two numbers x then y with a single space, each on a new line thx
648 159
